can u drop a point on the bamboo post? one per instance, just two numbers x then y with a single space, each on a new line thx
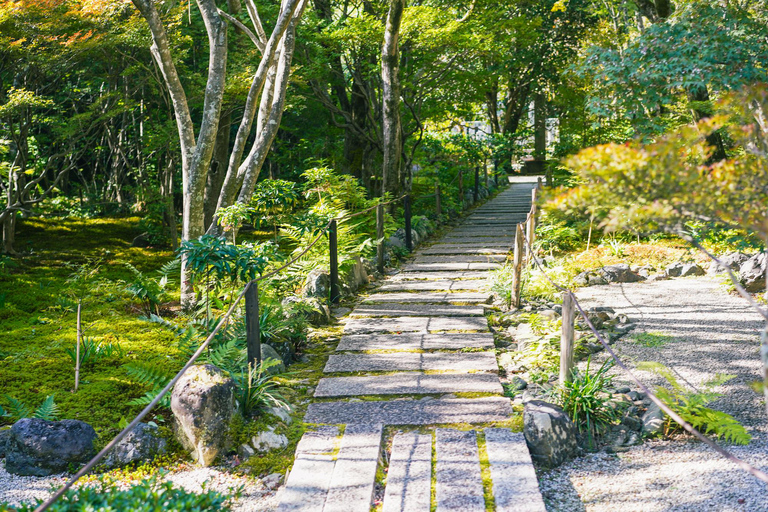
252 334
461 188
539 184
485 169
380 238
333 246
79 341
476 192
567 339
517 266
407 213
531 224
438 204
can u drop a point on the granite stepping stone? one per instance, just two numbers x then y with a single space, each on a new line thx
310 478
460 258
458 274
438 267
439 411
447 249
412 361
515 486
409 478
416 324
417 310
429 284
412 341
432 298
408 383
354 475
459 483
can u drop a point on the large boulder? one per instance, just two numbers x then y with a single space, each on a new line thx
317 284
549 433
142 443
684 270
38 447
732 260
752 273
619 273
5 435
203 404
268 352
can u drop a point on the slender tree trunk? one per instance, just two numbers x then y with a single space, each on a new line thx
698 96
78 341
390 98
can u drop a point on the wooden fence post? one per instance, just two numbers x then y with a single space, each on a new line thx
539 183
252 334
438 204
567 339
380 238
517 266
476 192
407 213
461 188
531 224
333 246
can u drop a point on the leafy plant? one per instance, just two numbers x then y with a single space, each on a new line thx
255 389
92 351
587 402
153 375
17 410
652 339
148 495
501 283
150 290
691 406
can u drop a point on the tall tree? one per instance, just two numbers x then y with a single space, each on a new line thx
392 130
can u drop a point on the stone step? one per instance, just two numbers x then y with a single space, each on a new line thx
417 310
459 482
448 249
310 478
354 475
423 259
425 285
412 361
439 411
426 297
457 274
444 267
474 239
507 231
515 487
408 384
410 341
409 478
416 324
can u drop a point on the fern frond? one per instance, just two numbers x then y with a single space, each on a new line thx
16 408
48 410
148 374
147 397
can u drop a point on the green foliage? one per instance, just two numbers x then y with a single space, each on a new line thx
150 290
501 283
652 339
151 495
92 351
255 389
154 375
691 406
587 402
16 410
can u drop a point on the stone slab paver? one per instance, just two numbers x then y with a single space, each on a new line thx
412 361
429 284
430 298
413 341
309 480
478 239
457 274
439 411
354 476
515 487
459 483
447 249
416 324
417 310
409 479
460 258
408 383
442 267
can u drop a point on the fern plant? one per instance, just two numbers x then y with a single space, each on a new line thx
152 375
92 351
691 406
255 389
16 409
151 290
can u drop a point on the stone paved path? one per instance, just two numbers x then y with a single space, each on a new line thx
415 343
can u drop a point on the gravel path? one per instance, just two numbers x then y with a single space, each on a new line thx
713 332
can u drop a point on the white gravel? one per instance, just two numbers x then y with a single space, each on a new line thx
714 333
255 496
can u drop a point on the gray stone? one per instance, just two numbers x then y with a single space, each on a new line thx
448 249
410 361
416 324
447 267
203 404
619 273
38 447
408 383
272 480
407 275
413 341
549 314
433 285
459 483
409 478
267 352
143 443
311 308
515 487
393 310
549 433
428 298
517 384
354 475
653 420
317 284
460 258
684 270
306 487
733 260
245 451
268 440
281 412
412 412
752 273
5 435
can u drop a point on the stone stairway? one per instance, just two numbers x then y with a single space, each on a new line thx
422 333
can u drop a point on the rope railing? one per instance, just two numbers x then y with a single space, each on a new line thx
250 293
570 296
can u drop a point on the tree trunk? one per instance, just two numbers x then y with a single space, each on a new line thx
514 108
218 167
392 140
698 96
